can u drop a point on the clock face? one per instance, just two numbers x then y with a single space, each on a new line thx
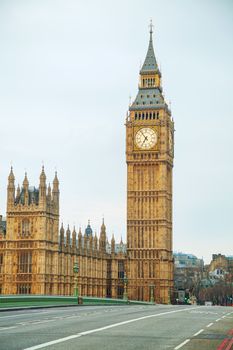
146 138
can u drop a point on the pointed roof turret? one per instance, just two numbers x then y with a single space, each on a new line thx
74 238
103 227
150 64
42 176
113 244
68 237
25 181
55 183
88 230
18 192
11 177
79 233
62 231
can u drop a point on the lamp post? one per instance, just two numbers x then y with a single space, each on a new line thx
152 293
76 270
125 295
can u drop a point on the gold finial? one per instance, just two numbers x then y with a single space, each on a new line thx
151 26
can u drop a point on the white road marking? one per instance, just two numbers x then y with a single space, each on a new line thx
218 319
45 321
201 330
209 325
61 340
182 344
28 314
2 328
223 316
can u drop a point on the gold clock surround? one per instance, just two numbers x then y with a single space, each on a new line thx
154 146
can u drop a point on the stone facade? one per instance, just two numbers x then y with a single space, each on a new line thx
35 258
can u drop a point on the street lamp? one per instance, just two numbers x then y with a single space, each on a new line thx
152 293
76 270
125 279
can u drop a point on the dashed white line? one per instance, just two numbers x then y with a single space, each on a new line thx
218 319
182 344
209 325
200 331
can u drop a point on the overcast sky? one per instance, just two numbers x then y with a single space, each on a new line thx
67 69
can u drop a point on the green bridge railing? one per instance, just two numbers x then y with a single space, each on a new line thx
19 301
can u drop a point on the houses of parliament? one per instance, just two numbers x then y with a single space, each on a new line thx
37 256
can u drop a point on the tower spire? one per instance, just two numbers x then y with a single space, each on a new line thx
150 64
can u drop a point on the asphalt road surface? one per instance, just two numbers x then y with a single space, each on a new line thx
118 327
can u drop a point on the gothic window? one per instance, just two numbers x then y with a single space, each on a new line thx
121 269
25 228
24 262
24 288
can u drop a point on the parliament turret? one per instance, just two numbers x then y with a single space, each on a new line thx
11 189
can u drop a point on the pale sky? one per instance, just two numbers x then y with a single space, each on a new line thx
67 69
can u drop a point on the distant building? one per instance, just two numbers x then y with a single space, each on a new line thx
187 260
188 273
221 267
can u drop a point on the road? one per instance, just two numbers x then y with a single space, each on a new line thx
118 327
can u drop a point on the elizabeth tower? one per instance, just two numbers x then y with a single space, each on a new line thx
149 157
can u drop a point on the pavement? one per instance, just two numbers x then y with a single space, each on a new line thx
118 327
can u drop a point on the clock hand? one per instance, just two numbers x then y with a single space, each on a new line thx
143 134
144 140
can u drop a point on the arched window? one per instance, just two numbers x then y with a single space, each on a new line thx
25 228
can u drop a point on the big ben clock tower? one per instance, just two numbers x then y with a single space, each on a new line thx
149 157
